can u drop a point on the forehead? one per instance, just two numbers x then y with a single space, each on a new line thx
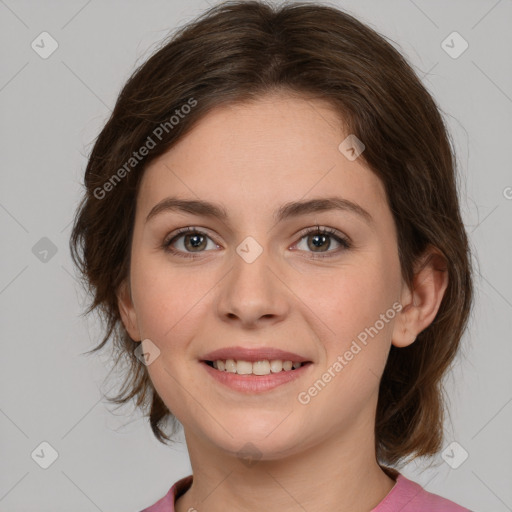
266 152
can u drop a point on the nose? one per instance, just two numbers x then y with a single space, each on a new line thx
253 293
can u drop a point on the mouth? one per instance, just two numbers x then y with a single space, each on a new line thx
255 377
262 367
254 369
245 360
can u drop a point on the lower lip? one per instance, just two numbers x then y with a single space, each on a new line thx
255 383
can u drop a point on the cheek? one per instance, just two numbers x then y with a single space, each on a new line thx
168 299
352 298
158 298
356 351
357 316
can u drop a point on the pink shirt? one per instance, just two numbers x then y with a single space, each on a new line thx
405 496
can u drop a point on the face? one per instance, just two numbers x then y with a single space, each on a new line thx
264 276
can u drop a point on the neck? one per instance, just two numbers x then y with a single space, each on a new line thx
339 474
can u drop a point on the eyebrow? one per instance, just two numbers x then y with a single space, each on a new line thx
286 211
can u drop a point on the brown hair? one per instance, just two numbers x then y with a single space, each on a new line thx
235 52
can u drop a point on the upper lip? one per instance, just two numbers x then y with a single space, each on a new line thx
253 354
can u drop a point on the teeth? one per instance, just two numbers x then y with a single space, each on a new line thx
261 367
276 366
231 366
264 367
243 367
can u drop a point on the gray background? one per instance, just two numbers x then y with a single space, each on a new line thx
53 108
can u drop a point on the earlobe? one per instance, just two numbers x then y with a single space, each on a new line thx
127 311
423 302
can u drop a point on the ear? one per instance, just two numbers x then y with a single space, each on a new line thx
420 305
127 311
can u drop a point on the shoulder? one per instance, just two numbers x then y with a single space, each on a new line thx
166 504
408 496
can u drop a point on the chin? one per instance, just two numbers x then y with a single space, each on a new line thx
258 445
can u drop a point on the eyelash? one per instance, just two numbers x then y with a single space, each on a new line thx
346 244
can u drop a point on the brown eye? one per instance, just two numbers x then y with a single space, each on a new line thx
320 241
187 242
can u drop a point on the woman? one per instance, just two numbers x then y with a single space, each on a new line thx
272 231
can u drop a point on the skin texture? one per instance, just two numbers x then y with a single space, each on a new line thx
251 159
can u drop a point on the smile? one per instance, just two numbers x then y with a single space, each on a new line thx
263 367
255 377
